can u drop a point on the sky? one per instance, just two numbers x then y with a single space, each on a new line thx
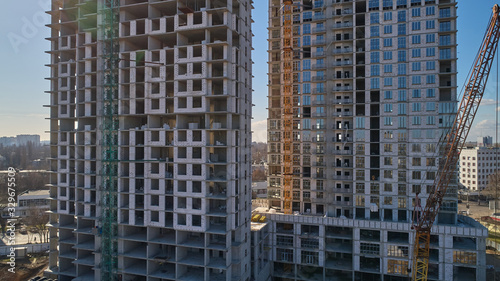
23 72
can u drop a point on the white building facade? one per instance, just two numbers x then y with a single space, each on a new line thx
477 164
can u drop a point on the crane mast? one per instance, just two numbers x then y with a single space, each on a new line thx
453 144
287 106
109 128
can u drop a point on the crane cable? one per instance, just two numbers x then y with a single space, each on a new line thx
497 161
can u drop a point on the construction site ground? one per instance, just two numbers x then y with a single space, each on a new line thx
26 268
475 211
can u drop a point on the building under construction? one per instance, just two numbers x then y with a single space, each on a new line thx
150 138
150 107
361 96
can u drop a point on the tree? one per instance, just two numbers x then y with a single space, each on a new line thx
259 175
259 152
36 220
491 190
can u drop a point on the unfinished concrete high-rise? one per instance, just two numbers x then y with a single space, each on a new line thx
374 88
183 96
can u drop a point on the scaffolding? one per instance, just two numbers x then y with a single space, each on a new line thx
109 129
287 108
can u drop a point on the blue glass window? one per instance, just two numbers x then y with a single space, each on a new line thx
415 25
430 106
387 4
430 38
430 52
307 88
416 93
430 24
401 56
445 13
307 16
445 53
402 29
431 10
401 42
307 100
415 12
444 26
401 16
402 107
373 4
401 82
388 81
388 15
306 76
401 97
402 69
431 93
306 28
307 40
306 64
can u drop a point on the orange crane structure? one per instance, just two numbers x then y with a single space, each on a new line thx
453 144
287 105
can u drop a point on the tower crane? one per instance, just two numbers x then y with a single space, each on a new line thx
453 143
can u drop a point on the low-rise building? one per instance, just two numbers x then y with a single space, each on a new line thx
28 201
477 164
259 190
312 247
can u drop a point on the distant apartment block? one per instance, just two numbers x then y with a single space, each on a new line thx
485 141
7 141
184 167
477 164
20 140
26 139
